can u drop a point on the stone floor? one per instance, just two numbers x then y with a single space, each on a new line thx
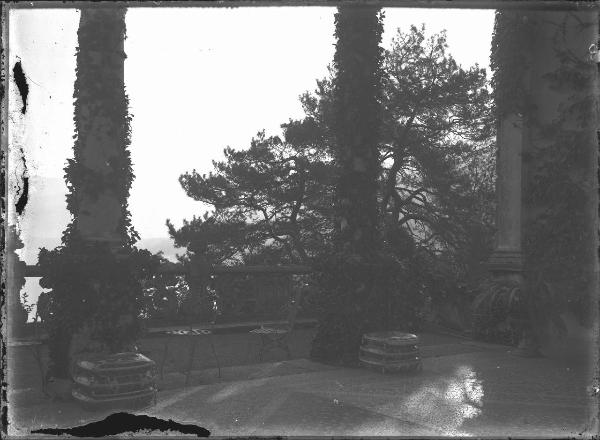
479 393
233 349
463 390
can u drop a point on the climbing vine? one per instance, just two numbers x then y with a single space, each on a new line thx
101 116
356 123
556 156
510 61
557 193
96 284
361 285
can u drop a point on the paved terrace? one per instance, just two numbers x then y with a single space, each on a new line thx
465 388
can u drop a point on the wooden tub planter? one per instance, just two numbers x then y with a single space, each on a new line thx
391 352
122 380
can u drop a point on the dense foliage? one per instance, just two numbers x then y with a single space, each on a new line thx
511 61
274 202
559 191
17 310
556 155
436 152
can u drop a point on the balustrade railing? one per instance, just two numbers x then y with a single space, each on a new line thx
227 294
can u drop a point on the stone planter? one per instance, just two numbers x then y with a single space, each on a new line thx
122 380
390 352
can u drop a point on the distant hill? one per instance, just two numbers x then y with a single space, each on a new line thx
46 217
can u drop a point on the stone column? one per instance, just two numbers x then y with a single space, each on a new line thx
511 60
99 175
506 260
560 199
101 133
547 209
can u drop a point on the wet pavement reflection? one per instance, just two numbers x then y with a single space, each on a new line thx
468 394
446 403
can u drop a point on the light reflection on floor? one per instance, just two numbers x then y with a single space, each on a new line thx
439 407
231 390
446 403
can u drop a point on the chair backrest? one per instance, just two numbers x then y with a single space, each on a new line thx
294 307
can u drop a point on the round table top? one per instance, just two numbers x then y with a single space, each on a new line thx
392 337
188 332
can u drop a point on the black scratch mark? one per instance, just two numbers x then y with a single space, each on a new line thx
120 423
3 286
21 81
20 206
24 197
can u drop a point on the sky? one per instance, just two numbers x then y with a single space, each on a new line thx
198 80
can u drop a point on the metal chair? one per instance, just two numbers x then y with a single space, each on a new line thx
37 349
275 336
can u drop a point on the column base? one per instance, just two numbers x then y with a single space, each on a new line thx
494 305
505 261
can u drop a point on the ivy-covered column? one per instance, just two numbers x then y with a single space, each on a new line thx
545 85
101 165
506 262
560 164
511 64
95 299
353 299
